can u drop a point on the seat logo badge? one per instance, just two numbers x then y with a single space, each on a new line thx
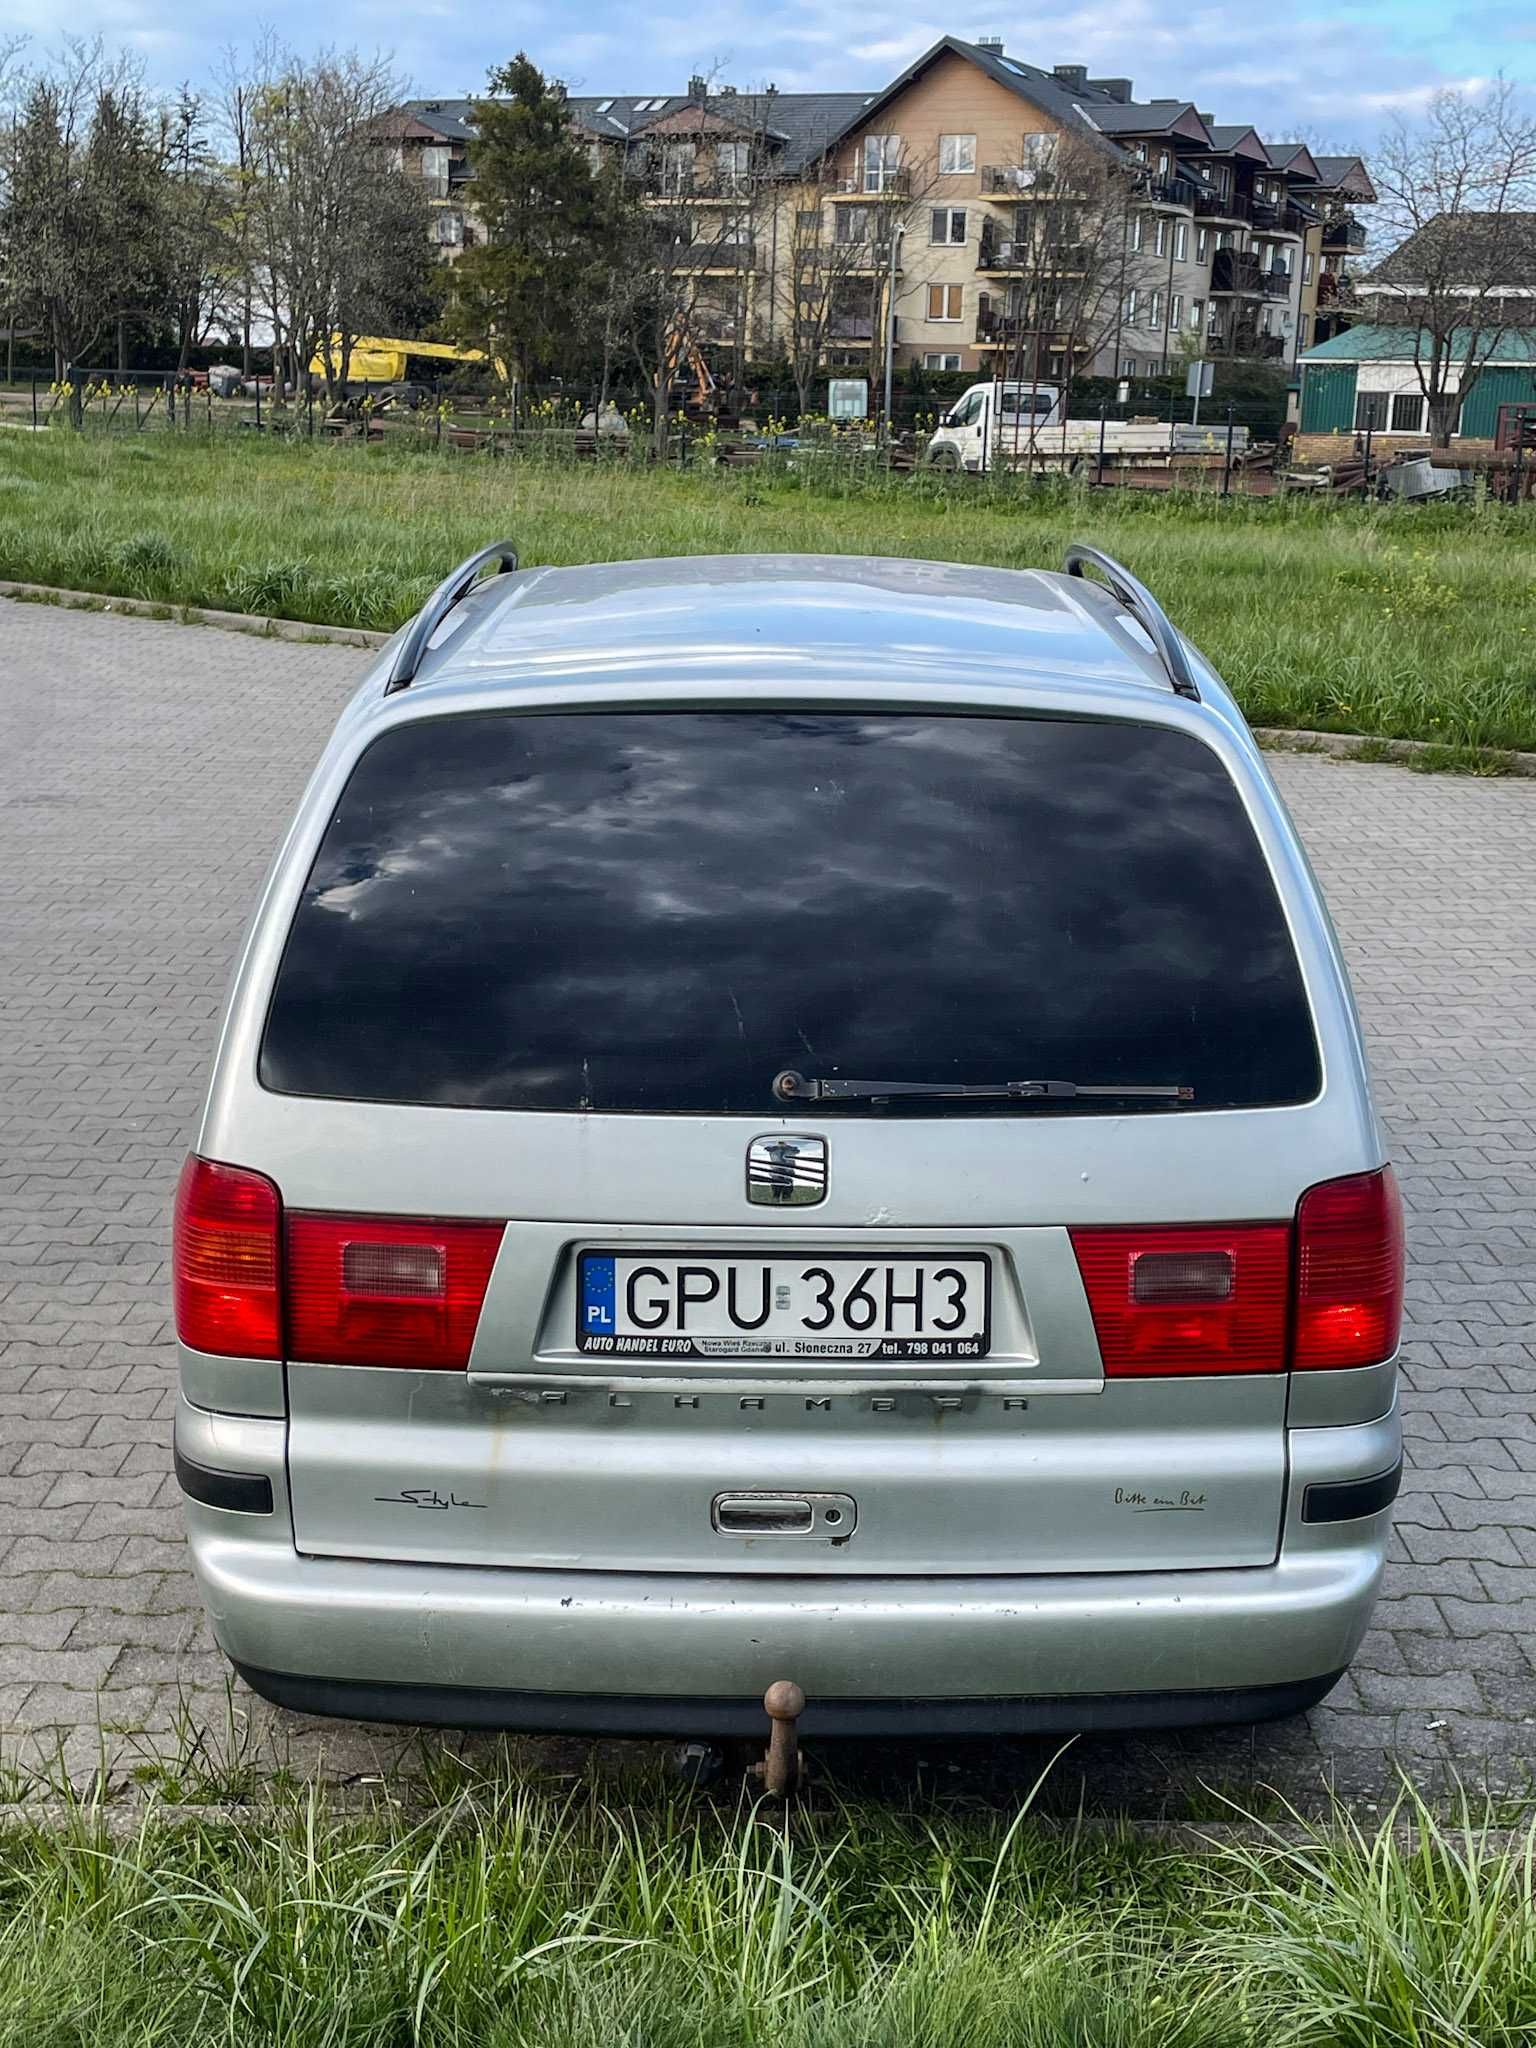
787 1172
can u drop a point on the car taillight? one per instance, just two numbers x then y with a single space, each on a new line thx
373 1290
225 1261
1349 1272
1196 1298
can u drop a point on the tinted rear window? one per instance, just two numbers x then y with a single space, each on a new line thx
663 910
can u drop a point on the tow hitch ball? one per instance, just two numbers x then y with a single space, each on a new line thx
784 1703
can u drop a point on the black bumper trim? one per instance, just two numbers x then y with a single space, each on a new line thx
564 1713
243 1493
1351 1500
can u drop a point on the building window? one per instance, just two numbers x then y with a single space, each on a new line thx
1160 238
882 159
853 224
448 228
676 167
1128 367
1306 268
945 301
1181 242
1408 413
1137 222
1370 412
1162 163
1154 309
1197 314
1203 245
808 221
1132 301
949 361
1176 310
732 163
957 155
947 225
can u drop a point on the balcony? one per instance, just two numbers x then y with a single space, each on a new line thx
1264 213
1019 253
1343 234
710 187
846 327
1025 181
1236 270
1246 340
716 255
997 329
1181 192
892 183
1221 206
1276 283
855 253
1294 222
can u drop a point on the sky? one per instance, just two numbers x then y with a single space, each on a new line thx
1332 75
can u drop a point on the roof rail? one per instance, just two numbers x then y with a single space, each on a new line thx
1144 609
437 608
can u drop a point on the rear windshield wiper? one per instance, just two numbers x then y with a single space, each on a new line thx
792 1087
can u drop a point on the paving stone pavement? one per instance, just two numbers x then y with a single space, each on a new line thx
146 771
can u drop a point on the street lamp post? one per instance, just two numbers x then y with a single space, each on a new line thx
897 231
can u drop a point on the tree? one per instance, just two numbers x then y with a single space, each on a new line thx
701 181
832 281
336 231
197 254
1459 189
523 291
80 200
1068 264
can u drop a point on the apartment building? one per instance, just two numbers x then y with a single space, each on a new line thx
991 214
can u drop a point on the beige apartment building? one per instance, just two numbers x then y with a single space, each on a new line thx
989 215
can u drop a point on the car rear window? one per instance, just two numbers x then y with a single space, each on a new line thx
661 911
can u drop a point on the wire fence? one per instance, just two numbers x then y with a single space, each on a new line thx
1218 447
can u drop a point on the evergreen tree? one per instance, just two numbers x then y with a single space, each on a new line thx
524 293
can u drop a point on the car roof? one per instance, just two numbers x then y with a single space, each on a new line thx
783 618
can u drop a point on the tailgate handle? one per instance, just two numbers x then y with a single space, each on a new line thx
829 1516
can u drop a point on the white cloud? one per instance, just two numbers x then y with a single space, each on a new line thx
1278 65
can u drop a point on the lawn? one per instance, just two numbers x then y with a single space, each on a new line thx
1394 621
524 1917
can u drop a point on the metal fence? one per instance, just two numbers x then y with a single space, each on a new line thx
548 428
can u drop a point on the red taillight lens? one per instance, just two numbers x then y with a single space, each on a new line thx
386 1290
1200 1298
225 1261
1349 1272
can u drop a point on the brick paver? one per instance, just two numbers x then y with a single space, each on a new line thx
145 773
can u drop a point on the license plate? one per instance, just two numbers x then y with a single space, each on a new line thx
816 1305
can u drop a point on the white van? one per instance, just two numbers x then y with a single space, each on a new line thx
990 421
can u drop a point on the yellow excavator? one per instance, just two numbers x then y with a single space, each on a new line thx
406 369
684 352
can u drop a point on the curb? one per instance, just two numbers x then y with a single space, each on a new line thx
193 615
1364 748
1360 748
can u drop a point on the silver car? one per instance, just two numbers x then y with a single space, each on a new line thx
789 1118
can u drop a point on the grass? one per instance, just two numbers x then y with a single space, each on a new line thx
1393 621
521 1918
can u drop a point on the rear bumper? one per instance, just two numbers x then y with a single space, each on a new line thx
646 1652
721 1720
